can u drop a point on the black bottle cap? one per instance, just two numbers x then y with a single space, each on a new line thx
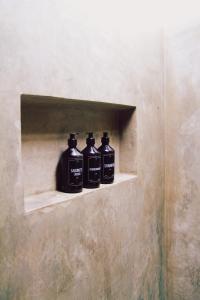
72 141
105 139
90 141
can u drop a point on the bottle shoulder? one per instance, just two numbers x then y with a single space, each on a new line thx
106 149
90 150
72 152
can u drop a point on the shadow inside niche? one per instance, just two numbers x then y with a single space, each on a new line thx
59 174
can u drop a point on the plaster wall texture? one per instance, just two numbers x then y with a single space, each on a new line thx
105 247
182 108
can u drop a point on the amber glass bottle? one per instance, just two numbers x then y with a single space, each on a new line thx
71 163
107 160
92 164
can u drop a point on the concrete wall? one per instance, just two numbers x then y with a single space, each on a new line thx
105 247
182 162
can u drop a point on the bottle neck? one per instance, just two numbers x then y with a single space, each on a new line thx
90 141
105 141
90 144
72 143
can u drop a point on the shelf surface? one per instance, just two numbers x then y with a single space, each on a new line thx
47 199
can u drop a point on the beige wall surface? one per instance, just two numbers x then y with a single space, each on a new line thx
105 247
182 114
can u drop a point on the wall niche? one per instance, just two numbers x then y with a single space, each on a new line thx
45 125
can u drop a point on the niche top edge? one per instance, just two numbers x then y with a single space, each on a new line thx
30 99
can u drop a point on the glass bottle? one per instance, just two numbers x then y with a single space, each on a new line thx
107 160
71 165
92 164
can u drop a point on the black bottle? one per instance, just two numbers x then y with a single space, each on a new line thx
107 160
71 168
92 164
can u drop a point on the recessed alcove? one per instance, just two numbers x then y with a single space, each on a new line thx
45 125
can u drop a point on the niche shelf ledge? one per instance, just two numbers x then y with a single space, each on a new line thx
53 198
